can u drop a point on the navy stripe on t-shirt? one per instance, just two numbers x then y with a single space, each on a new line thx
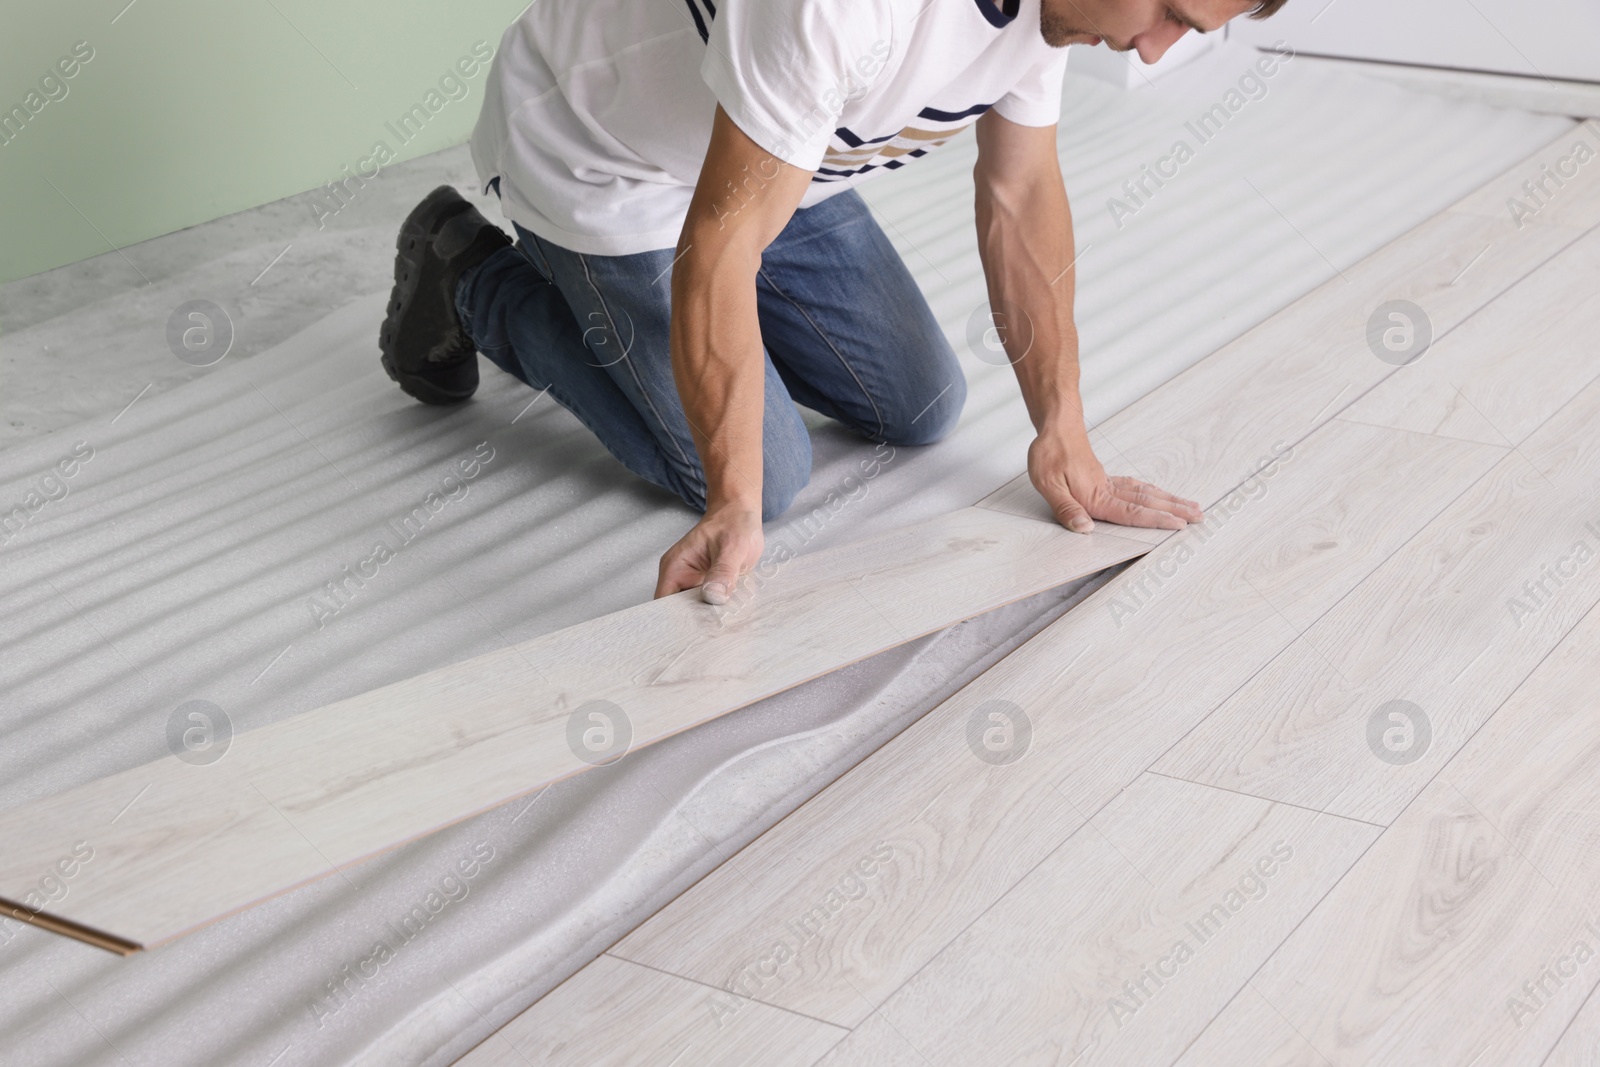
952 116
700 23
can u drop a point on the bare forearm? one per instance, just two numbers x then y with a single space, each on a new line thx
1026 244
742 202
719 369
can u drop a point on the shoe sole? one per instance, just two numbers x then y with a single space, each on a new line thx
410 249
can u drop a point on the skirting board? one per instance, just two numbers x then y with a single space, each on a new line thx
178 845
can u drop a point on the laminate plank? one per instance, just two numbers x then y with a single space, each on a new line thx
1559 186
952 832
1416 954
1510 367
877 1042
1451 624
1019 497
1439 929
1580 1045
297 800
1249 1022
1206 430
1456 938
1124 942
617 1014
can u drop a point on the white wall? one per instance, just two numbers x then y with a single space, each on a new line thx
1548 38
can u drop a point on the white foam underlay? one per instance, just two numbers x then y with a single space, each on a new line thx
179 567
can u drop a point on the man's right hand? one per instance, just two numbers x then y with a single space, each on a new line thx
725 544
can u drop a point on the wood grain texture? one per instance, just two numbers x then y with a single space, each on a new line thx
1553 188
1580 1045
1124 942
1107 688
617 1014
1456 938
1509 367
1415 956
1452 623
1204 431
1249 1022
309 795
877 1042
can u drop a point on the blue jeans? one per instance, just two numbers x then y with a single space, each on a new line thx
847 333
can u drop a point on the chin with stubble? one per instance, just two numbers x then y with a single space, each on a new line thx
1058 31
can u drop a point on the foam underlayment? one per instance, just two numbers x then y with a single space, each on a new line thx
182 562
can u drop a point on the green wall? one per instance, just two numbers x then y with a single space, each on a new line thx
193 109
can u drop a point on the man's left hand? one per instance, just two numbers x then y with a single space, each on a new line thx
1063 468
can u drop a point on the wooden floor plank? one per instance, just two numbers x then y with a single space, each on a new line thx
1204 431
1468 933
294 801
1414 958
1249 1022
1580 1045
1451 624
1510 367
1106 689
875 1042
1559 186
649 1017
1123 943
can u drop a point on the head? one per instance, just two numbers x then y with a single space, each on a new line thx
1148 27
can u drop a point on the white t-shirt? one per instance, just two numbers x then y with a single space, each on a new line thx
597 113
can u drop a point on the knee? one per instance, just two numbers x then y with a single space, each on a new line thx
927 416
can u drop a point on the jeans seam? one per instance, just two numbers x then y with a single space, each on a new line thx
679 491
531 245
845 363
689 465
528 257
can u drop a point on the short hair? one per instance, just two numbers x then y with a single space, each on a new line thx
1266 9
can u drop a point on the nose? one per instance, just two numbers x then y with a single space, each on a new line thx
1153 44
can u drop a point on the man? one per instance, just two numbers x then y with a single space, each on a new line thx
693 260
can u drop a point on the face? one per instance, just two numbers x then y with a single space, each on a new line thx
1148 27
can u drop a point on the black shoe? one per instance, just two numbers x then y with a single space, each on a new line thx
424 346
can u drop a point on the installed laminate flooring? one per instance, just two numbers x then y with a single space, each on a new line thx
1025 875
561 1028
1468 933
1158 907
1447 625
1580 1045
